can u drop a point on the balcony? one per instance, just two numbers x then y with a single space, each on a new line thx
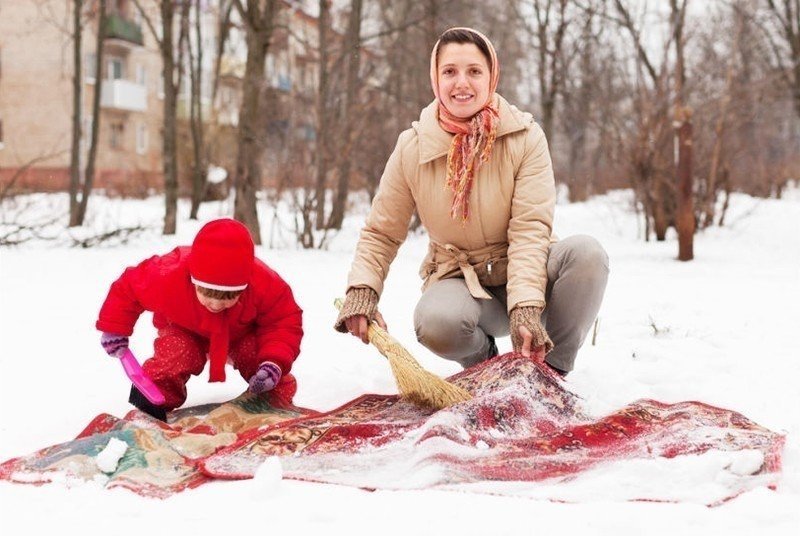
118 27
123 95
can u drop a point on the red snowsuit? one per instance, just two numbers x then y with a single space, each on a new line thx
264 325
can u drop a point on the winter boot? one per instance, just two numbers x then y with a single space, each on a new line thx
492 348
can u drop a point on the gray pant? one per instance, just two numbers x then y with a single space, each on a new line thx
454 325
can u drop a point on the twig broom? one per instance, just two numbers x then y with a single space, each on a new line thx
415 384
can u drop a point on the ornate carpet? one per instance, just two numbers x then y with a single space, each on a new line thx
524 433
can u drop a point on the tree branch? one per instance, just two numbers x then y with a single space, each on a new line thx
148 21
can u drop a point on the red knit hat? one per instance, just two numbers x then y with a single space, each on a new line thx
222 256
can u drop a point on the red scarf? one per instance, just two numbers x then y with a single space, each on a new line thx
474 136
216 325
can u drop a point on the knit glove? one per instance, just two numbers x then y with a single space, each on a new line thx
357 301
266 378
114 345
531 318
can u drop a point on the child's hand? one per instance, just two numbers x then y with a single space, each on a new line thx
266 378
114 345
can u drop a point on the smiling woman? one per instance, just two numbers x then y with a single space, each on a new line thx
464 74
478 172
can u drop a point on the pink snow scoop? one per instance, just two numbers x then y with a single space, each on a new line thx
145 385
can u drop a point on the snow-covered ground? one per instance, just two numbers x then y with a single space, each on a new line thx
721 329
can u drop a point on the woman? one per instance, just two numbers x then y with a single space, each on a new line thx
478 172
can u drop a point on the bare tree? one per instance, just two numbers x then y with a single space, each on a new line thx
784 34
195 58
684 217
77 111
171 78
549 26
88 180
348 113
579 98
223 32
651 165
323 135
259 23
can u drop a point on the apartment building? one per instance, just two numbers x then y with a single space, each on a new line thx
36 92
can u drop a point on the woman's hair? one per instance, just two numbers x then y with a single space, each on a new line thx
462 36
218 294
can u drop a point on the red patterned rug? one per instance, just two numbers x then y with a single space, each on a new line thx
523 433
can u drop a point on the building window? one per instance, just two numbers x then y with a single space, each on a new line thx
141 138
115 68
141 75
117 131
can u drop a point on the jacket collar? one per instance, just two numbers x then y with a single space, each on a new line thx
434 142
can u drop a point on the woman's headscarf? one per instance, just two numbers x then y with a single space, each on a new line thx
474 136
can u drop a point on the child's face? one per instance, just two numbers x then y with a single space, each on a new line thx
214 305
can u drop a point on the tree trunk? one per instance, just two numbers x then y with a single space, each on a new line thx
709 200
323 135
353 38
684 220
544 90
77 114
196 117
223 32
684 217
170 112
659 211
259 26
88 180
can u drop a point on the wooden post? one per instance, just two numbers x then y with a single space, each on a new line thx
684 220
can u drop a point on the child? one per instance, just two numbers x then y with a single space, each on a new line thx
213 298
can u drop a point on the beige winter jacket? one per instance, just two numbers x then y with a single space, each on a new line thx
507 236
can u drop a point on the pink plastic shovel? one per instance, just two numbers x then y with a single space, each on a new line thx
145 385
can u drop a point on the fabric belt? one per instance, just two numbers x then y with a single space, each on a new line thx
460 259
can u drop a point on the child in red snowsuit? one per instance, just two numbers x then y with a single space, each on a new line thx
212 299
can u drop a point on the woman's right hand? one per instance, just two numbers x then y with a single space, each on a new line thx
358 326
360 304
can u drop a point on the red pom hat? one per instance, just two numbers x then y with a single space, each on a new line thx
222 256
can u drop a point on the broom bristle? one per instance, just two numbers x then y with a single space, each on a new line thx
422 387
414 383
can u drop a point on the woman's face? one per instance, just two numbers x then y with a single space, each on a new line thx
463 79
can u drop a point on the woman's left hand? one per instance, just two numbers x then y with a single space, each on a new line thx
527 340
528 334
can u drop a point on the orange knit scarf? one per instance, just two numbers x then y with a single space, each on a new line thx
467 152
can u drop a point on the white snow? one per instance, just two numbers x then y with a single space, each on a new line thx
266 483
216 174
109 457
747 462
721 329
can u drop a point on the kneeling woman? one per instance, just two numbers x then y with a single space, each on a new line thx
478 172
